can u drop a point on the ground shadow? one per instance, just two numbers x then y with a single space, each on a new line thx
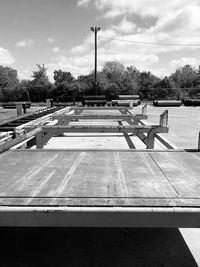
93 247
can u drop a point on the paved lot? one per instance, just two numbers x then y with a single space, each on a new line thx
184 124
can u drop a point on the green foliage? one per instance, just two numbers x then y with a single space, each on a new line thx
8 83
63 76
40 77
132 80
114 79
146 84
65 88
163 90
184 79
38 89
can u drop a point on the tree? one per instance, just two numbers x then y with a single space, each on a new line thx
146 82
8 83
24 87
132 80
40 76
115 74
184 78
65 83
163 90
40 86
86 83
62 76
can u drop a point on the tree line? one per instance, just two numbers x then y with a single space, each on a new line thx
114 79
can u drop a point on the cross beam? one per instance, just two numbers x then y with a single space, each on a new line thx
105 129
49 131
132 119
123 110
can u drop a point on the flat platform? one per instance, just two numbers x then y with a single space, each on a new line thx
100 188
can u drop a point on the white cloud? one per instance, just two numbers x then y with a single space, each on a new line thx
83 2
76 65
155 8
88 42
56 50
85 46
110 50
24 74
176 21
125 26
50 40
159 72
184 61
5 57
25 43
177 24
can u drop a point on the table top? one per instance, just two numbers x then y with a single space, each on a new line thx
100 178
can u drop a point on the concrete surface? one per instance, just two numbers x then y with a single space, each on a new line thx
184 124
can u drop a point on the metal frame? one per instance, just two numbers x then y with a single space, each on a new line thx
131 119
42 137
126 116
18 124
79 110
146 133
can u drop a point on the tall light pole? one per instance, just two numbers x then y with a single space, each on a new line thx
95 30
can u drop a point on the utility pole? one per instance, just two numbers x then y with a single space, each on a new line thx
95 30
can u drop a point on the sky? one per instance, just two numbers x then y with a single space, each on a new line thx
153 35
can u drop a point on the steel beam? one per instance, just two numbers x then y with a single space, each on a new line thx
131 119
134 129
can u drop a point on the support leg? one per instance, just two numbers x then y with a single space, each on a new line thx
39 140
150 139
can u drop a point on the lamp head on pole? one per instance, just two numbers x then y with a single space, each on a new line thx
96 29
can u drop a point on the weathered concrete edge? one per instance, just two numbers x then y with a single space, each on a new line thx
99 217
